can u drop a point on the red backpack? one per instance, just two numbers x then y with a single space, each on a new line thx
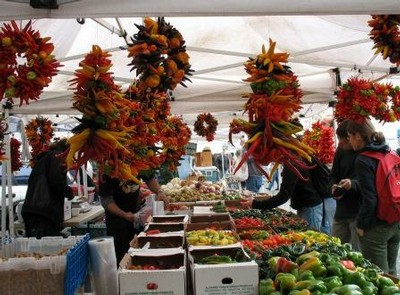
387 182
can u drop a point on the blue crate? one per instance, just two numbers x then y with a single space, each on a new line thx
77 265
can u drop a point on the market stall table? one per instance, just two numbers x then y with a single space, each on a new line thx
90 216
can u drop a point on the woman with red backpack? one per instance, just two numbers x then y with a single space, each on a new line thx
379 239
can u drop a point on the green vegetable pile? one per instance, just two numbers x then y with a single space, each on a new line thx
316 269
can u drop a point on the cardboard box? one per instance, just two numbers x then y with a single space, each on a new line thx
217 221
209 217
170 218
209 239
227 278
158 241
67 209
163 281
165 227
204 159
179 208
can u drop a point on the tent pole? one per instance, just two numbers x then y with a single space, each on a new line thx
9 176
3 202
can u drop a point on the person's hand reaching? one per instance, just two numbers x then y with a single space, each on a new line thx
161 196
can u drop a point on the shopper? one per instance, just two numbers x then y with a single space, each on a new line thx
345 189
255 179
303 197
320 179
43 208
125 214
379 240
242 173
274 183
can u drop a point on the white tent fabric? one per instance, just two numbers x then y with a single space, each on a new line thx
18 9
220 36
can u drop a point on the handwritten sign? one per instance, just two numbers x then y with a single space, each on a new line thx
231 183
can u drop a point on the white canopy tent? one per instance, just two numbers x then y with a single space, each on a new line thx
220 36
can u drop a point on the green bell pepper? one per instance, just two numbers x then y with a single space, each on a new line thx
336 269
355 256
369 289
306 275
328 258
371 275
276 293
285 282
391 290
315 265
349 289
356 278
312 285
332 282
302 292
384 282
267 286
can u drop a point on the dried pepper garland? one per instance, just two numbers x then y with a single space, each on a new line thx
276 97
206 131
159 55
360 99
386 36
175 136
161 62
39 132
3 130
102 135
16 163
121 130
320 138
25 80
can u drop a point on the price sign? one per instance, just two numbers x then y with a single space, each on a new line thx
191 148
231 183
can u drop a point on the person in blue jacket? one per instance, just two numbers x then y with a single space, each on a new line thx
379 240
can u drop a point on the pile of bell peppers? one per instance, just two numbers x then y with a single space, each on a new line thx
315 273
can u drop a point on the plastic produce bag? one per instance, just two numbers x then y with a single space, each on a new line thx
143 215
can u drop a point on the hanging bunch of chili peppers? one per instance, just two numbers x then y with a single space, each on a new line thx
276 97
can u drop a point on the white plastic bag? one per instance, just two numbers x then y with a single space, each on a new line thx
243 173
143 215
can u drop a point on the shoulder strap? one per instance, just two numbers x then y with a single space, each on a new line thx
375 155
379 156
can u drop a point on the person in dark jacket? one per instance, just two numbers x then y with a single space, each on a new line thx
379 240
122 203
303 197
43 208
345 189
